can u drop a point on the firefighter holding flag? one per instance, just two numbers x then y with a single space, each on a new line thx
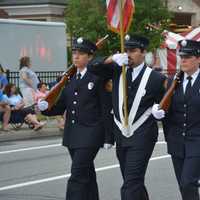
135 90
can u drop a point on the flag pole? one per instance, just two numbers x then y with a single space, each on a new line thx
125 98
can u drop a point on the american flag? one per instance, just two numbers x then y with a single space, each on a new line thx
113 14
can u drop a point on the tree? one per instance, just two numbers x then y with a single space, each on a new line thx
87 18
150 19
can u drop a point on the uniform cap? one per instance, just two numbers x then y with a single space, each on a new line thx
136 41
189 47
84 45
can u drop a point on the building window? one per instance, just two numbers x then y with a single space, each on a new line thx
182 19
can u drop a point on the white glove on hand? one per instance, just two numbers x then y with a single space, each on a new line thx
42 105
107 146
120 58
156 112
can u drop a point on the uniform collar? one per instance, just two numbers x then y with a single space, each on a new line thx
82 72
137 70
194 76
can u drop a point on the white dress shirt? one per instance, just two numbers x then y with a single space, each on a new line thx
185 80
81 72
136 71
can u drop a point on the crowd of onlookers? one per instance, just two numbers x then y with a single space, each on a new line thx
22 100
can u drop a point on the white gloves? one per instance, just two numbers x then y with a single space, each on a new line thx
42 105
156 112
120 58
107 146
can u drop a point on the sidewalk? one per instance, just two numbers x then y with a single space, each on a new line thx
50 129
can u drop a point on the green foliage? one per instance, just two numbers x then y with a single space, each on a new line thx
87 18
154 13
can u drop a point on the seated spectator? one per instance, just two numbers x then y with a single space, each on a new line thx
17 104
40 94
5 108
3 78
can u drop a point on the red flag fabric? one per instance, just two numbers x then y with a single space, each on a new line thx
168 53
113 14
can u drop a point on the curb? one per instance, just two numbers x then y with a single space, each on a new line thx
25 133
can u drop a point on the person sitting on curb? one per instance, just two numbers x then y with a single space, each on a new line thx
40 95
41 92
17 105
5 108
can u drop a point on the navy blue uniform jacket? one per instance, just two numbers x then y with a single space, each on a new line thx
182 123
88 119
147 133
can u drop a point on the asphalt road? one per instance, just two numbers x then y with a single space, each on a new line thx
38 170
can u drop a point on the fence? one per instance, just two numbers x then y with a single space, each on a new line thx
44 76
51 76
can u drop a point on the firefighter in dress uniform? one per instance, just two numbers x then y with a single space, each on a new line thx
182 122
88 122
135 144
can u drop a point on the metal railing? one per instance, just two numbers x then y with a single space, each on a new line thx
51 76
44 76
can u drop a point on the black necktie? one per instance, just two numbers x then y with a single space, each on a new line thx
78 76
188 88
129 75
129 85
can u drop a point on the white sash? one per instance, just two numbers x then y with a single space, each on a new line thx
129 131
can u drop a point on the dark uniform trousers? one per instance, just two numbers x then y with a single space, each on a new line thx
134 152
82 182
187 172
133 165
88 126
182 132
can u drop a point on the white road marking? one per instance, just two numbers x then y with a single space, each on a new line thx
30 148
9 187
44 147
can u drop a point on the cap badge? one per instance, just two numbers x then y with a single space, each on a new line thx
184 43
80 40
127 37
